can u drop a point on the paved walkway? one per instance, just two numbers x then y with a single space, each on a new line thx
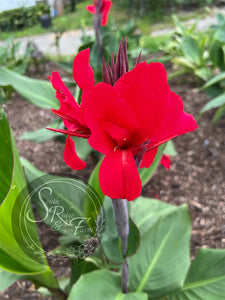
68 43
70 40
202 25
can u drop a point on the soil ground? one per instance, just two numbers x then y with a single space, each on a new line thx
196 177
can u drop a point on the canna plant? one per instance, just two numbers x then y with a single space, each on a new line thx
214 87
126 135
189 51
204 56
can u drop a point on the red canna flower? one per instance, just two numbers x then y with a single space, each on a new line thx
104 10
126 118
70 112
165 161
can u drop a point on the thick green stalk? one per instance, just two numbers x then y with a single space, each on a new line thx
97 26
122 222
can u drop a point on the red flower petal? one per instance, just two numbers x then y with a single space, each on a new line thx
68 105
175 122
165 161
70 156
143 104
104 106
82 71
155 77
91 9
149 158
118 175
75 132
58 85
105 10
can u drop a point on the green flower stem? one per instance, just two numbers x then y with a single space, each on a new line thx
122 222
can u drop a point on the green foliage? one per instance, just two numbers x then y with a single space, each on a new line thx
156 9
6 157
158 244
10 58
38 92
79 268
110 242
147 173
6 279
19 18
206 277
189 52
215 87
110 40
101 284
42 135
154 44
202 54
170 149
165 232
12 257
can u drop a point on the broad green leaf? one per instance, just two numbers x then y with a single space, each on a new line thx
101 285
42 134
83 148
63 284
79 268
111 243
94 183
7 279
180 28
31 171
184 62
38 92
170 149
218 114
6 157
215 79
214 90
223 48
220 19
203 73
191 49
44 291
162 260
216 54
147 211
214 103
146 173
13 238
219 35
61 204
206 277
67 66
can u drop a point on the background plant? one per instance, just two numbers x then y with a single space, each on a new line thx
201 54
19 18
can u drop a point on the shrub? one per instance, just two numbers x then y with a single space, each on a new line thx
19 18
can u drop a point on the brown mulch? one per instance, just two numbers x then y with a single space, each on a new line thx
197 175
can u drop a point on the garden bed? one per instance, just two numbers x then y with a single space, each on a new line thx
197 175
